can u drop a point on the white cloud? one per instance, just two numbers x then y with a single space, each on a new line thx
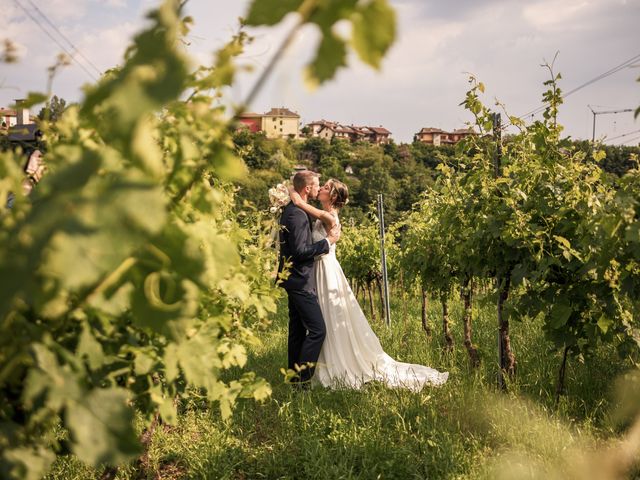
559 14
105 48
116 3
422 81
60 10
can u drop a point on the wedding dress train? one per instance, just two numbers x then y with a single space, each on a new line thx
351 354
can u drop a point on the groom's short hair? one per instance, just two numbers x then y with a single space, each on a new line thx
303 178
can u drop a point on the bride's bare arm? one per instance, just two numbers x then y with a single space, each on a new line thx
325 217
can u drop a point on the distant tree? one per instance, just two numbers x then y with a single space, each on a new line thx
314 149
330 167
391 149
618 160
430 155
55 108
412 178
254 148
367 169
341 148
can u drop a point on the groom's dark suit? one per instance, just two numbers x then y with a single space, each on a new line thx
306 325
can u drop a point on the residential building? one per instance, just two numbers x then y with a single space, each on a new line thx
252 121
328 130
322 129
432 136
346 132
437 137
276 123
281 123
461 133
380 135
23 129
10 117
24 133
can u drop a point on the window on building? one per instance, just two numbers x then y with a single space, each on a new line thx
280 122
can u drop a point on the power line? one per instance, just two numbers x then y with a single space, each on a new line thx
603 75
631 139
616 69
64 49
75 49
605 106
623 135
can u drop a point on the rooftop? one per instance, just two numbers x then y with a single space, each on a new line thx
380 130
431 130
24 133
281 112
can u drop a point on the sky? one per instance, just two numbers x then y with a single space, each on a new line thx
423 78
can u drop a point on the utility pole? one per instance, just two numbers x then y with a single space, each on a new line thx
604 112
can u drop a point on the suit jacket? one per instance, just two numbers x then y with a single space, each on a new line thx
296 245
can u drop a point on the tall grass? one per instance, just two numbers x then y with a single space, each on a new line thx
465 429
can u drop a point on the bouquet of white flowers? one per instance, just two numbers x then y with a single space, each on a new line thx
279 197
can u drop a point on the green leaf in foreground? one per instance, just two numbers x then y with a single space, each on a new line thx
26 463
102 428
330 57
560 313
33 98
270 12
374 30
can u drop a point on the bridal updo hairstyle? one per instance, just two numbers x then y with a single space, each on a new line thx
338 193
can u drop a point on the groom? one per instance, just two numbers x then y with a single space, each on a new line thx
306 325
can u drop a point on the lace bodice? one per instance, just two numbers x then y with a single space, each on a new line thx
318 232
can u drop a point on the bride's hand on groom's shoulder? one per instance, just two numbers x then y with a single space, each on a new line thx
295 196
334 234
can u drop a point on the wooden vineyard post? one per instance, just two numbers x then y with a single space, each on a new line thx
497 172
385 278
506 358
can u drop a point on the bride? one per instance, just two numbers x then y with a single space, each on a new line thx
351 354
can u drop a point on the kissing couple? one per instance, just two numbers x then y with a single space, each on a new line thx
330 340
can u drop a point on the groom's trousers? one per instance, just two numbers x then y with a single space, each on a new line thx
306 331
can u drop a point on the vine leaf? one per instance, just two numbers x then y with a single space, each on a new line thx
90 348
330 57
168 411
262 391
101 427
26 463
270 12
604 323
374 30
560 313
33 98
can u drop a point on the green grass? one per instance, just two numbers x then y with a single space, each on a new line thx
465 429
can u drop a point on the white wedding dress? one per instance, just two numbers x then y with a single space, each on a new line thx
351 354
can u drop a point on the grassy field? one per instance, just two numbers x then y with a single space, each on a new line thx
465 429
